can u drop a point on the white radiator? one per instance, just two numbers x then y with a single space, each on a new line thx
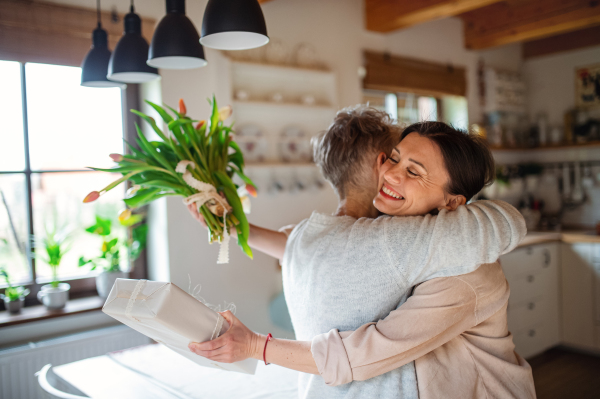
18 364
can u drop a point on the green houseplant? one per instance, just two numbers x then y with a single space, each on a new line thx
114 248
14 297
194 159
54 244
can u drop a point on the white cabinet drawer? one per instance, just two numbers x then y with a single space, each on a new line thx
534 339
529 260
528 313
596 252
527 287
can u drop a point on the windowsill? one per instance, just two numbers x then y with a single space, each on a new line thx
39 312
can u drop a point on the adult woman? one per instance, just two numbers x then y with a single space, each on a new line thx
420 177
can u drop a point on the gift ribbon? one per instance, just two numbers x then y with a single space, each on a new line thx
206 192
136 291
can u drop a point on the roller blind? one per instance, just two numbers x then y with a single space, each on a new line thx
400 74
54 34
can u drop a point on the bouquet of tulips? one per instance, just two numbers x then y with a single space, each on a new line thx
194 159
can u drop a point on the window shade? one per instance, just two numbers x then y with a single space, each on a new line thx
54 34
399 74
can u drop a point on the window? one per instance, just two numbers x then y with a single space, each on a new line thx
407 108
51 130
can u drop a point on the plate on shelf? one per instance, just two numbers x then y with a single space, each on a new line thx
252 142
294 145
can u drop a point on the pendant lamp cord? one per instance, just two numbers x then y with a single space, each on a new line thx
98 13
131 9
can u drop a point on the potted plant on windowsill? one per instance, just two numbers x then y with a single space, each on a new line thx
14 297
55 244
114 247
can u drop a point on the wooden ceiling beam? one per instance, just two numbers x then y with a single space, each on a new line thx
389 15
557 44
517 21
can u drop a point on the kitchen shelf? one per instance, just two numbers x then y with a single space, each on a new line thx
595 144
281 67
277 164
283 104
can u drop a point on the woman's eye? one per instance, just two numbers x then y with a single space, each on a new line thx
392 160
411 172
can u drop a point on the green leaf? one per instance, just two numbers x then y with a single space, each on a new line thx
163 114
214 118
142 197
152 123
233 199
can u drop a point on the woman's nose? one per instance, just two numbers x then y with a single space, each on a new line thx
392 175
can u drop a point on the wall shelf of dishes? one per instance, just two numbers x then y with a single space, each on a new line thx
281 99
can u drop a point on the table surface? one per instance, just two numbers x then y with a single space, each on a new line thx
155 372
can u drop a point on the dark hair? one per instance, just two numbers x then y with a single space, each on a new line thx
467 158
356 134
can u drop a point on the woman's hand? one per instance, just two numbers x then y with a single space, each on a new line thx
236 344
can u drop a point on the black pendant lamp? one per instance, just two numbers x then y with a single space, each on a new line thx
176 43
128 61
233 25
95 64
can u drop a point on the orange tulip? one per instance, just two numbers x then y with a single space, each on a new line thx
225 112
200 124
182 109
126 214
251 190
116 157
93 196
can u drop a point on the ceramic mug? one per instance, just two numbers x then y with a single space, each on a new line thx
54 298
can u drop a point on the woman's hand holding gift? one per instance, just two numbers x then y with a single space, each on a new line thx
236 344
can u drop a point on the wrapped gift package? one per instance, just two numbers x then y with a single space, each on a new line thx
170 316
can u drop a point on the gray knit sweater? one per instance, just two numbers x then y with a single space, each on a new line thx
340 272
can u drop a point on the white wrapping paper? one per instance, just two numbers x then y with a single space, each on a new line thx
170 316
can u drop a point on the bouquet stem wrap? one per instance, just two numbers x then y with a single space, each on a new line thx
206 192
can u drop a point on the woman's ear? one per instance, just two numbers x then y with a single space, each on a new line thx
453 201
381 158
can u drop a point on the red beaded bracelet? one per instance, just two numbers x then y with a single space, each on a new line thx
269 337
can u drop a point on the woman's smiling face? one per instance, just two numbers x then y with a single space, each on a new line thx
413 179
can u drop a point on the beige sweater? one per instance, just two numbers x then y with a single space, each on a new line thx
454 328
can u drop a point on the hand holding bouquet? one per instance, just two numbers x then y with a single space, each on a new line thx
196 160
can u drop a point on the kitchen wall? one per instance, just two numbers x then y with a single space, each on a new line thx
178 245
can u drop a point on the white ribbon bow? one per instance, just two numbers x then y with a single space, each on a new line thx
206 192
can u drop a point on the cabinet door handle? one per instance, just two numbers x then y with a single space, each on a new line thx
532 333
530 279
531 306
547 258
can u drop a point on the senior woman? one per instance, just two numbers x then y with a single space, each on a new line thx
422 181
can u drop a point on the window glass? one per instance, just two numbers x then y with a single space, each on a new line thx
13 227
12 149
62 194
70 126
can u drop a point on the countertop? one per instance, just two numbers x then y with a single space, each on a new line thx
568 236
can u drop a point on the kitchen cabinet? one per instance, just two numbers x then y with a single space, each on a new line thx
579 281
533 307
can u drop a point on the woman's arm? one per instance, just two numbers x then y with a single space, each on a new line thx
438 311
239 343
267 241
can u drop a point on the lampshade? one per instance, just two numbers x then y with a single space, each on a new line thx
176 43
233 25
128 61
95 63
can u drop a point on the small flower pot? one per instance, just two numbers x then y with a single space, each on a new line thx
54 297
14 307
106 280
